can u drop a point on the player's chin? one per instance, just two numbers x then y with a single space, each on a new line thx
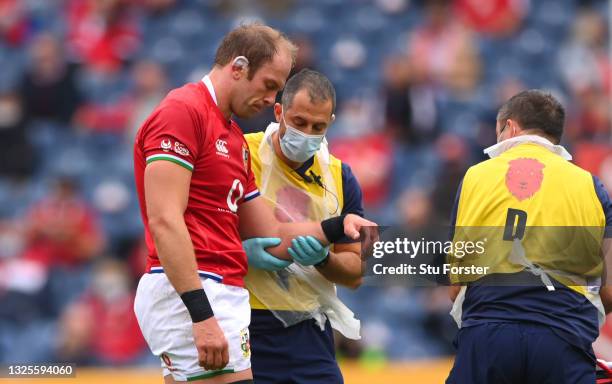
249 112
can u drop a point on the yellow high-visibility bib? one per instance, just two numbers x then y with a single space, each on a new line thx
293 200
531 202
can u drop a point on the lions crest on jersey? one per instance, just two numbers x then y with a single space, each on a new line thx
245 156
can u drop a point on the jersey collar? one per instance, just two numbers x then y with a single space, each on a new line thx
213 96
211 89
501 147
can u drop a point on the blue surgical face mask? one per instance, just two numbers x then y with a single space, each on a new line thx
299 146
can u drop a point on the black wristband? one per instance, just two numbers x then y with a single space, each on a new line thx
198 305
333 228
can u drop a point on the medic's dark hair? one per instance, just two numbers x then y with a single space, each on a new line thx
535 110
319 88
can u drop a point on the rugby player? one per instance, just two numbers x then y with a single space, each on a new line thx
198 199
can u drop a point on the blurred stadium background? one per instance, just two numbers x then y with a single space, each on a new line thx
418 83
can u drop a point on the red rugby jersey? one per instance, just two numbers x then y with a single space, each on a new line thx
189 129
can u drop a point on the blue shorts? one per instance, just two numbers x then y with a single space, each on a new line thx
299 354
509 353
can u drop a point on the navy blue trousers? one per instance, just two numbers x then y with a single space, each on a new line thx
299 354
518 353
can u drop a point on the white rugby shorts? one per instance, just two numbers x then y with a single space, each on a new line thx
167 327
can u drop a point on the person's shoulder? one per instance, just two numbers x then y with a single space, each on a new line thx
173 113
602 192
337 163
351 190
182 103
253 141
345 171
348 177
578 170
186 90
606 203
188 96
254 138
598 185
483 168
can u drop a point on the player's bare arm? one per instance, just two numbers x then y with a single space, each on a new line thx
344 265
258 220
166 193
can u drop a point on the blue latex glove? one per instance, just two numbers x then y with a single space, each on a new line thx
255 249
307 250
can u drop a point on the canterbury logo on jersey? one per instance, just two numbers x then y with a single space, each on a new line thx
221 146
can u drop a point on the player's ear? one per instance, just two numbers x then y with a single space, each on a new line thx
278 111
240 67
333 118
514 128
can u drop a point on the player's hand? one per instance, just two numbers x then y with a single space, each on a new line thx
354 224
255 249
307 250
211 344
358 228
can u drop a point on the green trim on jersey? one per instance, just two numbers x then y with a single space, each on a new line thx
172 158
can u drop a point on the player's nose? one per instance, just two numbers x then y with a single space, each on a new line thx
269 99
